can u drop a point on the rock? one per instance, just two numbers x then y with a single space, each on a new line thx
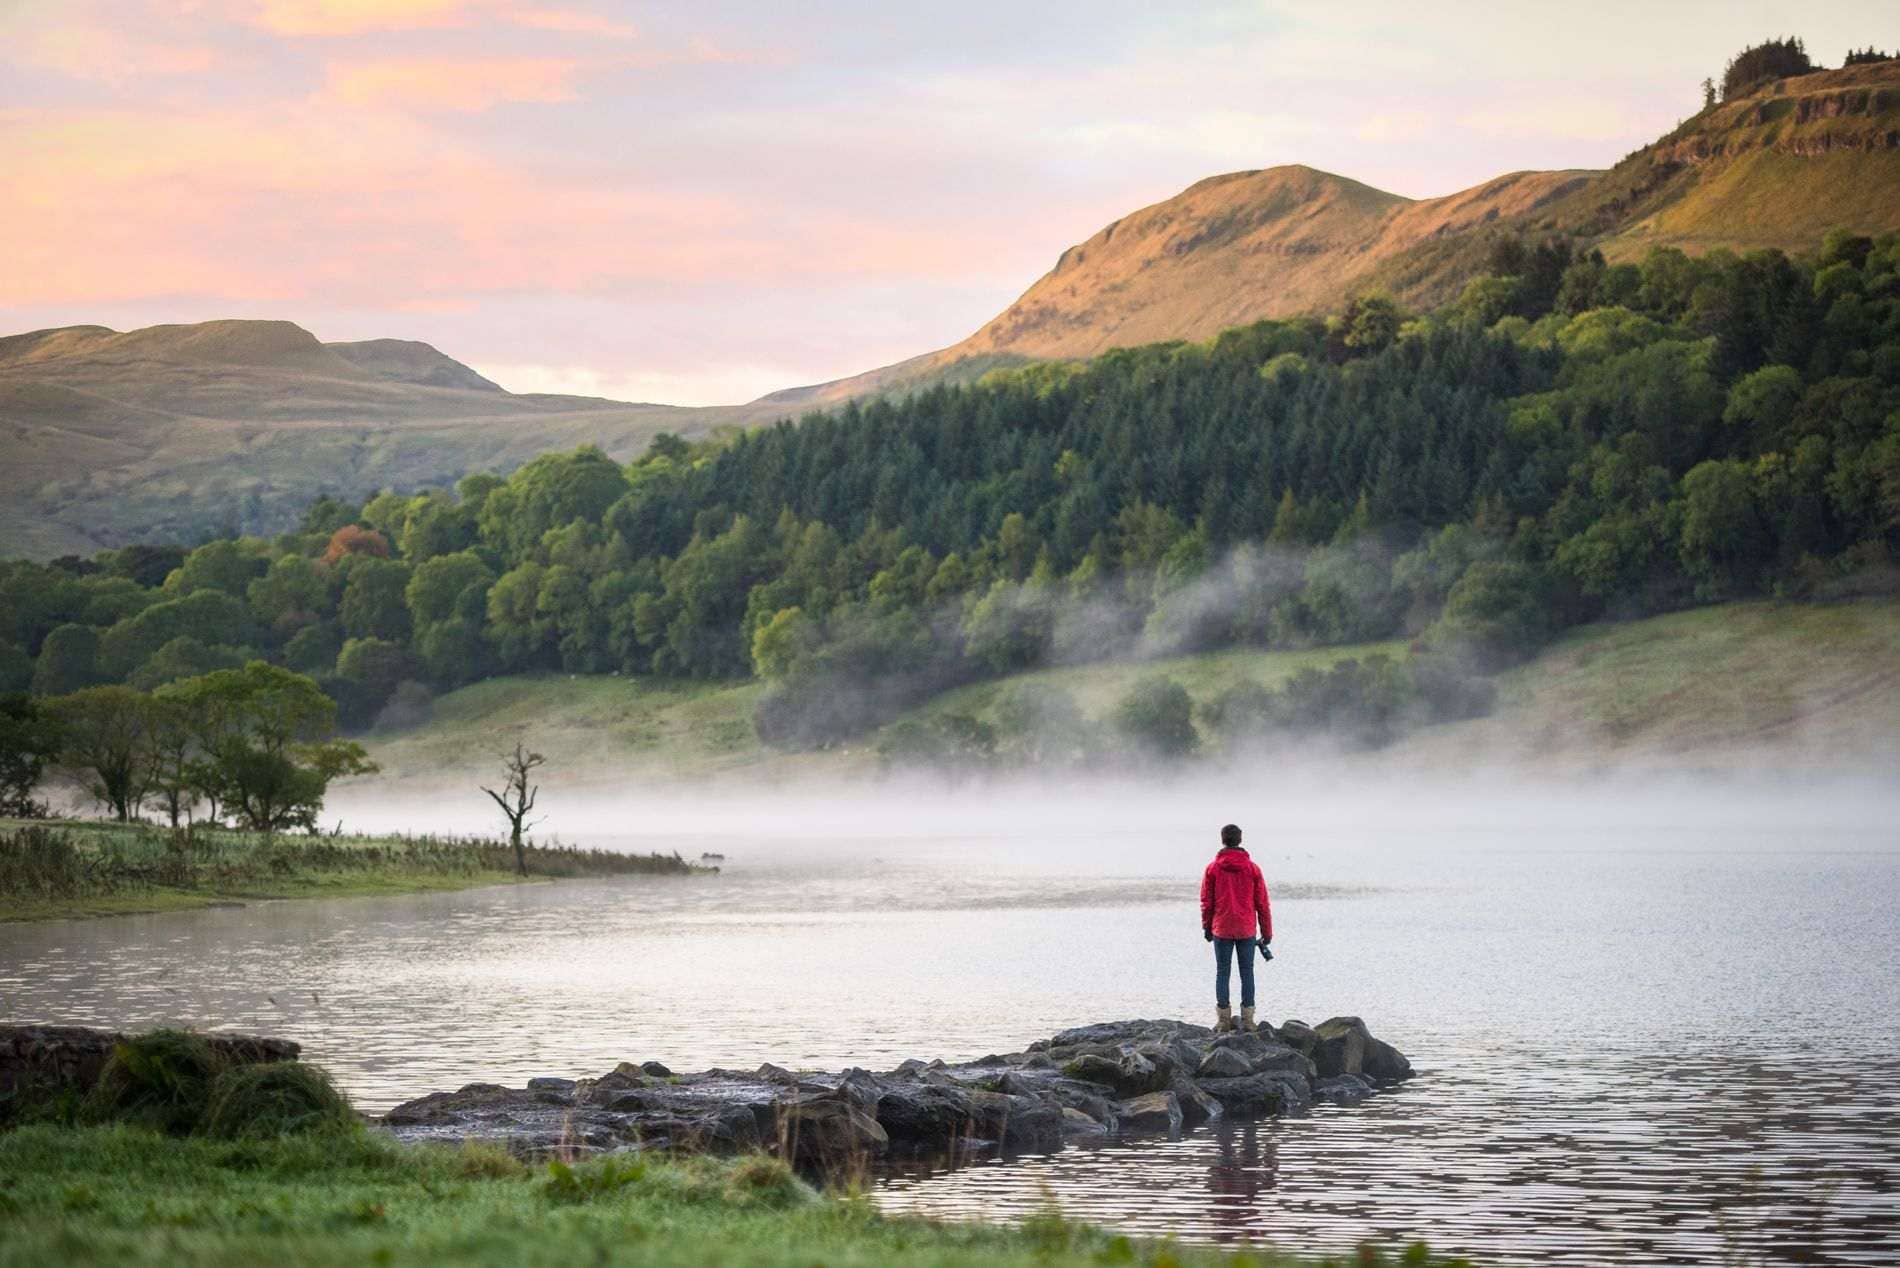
51 1060
861 1088
619 1079
1252 1095
1224 1063
1083 1097
1076 1123
1280 1059
1343 1045
722 1129
926 1116
1197 1107
1344 1090
1133 1077
1155 1112
1132 1074
1117 1033
1019 1124
829 1135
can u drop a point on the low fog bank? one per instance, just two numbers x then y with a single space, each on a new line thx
1315 802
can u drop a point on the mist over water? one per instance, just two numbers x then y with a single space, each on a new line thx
1653 1017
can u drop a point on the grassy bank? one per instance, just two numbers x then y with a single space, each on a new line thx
1809 682
63 869
1795 684
122 1195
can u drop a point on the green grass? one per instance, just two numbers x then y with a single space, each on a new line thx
585 724
71 869
123 1196
1806 682
1814 679
1099 688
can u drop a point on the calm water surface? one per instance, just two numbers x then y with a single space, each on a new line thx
1648 1026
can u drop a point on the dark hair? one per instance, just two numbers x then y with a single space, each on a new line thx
1230 835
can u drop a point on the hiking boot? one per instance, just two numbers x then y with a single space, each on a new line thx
1246 1019
1225 1022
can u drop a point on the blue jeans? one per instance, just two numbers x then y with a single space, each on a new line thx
1224 949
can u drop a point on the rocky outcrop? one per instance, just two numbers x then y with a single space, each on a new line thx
42 1060
1119 1078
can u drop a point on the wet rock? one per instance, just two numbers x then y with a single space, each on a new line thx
861 1088
829 1134
1088 1099
1076 1123
1156 1112
1224 1063
1197 1107
1343 1045
1130 1074
1019 1124
722 1129
1252 1095
1280 1059
1016 1083
51 1061
1347 1089
926 1117
1116 1077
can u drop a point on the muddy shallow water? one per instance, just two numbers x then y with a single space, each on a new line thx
1653 1025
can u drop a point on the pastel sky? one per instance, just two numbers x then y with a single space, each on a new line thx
702 202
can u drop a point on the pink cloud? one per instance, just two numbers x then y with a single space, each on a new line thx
354 17
354 205
451 83
573 22
359 17
103 54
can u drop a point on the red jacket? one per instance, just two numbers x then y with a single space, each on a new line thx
1233 893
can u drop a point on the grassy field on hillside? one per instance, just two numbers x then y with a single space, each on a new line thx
121 1195
589 726
1813 681
597 728
1797 682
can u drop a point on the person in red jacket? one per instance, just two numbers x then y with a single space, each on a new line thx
1233 908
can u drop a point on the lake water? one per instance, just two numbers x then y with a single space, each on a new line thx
1656 1024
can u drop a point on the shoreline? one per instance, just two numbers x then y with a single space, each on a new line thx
1108 1080
75 869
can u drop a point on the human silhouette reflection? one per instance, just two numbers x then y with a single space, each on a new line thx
1245 1163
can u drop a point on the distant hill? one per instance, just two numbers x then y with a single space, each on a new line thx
174 431
1776 168
407 361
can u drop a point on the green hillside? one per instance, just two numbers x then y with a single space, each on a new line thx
1797 684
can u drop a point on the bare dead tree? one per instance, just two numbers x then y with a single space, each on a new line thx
516 799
